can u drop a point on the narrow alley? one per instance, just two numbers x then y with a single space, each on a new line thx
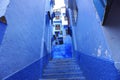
61 40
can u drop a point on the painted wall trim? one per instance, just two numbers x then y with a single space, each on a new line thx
43 36
73 30
95 68
20 69
43 60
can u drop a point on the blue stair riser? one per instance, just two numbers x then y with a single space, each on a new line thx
60 63
61 66
61 71
74 78
60 74
68 67
63 76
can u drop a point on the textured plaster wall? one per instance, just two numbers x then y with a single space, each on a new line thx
112 31
111 27
93 54
22 36
89 34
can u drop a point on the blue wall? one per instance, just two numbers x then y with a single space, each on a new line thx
112 30
89 35
100 7
33 71
20 43
93 53
97 69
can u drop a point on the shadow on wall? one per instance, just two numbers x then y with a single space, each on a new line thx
112 30
2 31
113 18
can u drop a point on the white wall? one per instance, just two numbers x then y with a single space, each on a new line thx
3 6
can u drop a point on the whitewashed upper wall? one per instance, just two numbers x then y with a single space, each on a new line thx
3 6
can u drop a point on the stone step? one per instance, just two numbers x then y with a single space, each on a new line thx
49 76
65 62
66 73
61 64
62 60
62 67
60 71
73 78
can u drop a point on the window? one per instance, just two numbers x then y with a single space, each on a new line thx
57 17
57 27
3 20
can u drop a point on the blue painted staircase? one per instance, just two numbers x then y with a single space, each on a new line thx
62 69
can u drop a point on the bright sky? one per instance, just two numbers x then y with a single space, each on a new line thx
59 4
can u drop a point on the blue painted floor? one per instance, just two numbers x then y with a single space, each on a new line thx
64 50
